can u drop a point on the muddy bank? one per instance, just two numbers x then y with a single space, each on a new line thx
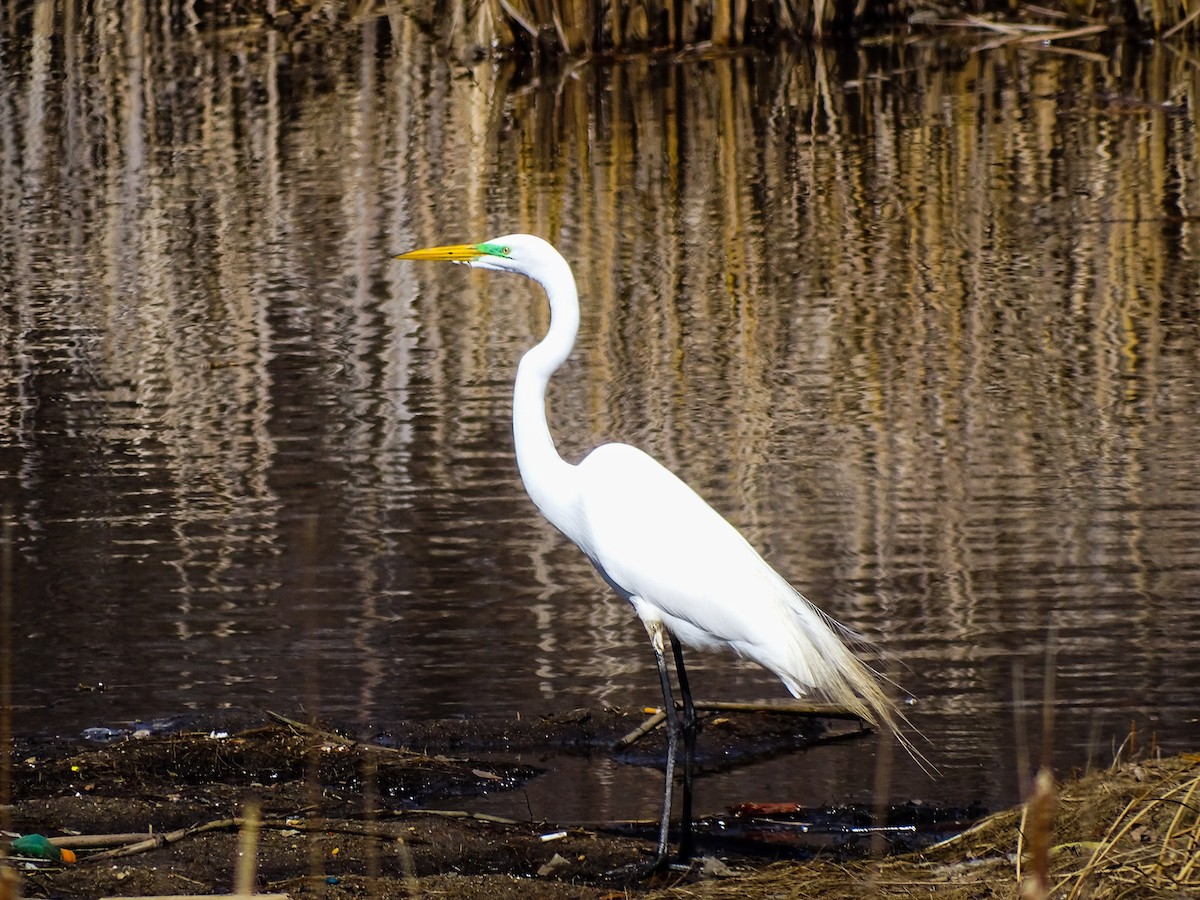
343 812
163 814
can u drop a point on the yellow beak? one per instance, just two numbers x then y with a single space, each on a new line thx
452 253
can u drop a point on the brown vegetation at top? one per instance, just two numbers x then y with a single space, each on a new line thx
552 28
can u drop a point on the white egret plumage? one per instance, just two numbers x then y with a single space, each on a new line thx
690 575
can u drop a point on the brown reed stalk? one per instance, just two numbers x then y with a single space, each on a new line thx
9 882
1036 832
247 861
6 606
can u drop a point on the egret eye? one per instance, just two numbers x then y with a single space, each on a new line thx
507 251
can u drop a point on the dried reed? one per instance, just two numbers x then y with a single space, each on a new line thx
554 28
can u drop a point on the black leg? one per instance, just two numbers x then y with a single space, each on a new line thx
673 729
686 843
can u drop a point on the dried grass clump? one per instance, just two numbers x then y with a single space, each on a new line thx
1130 832
1151 846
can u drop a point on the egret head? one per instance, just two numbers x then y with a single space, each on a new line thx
524 254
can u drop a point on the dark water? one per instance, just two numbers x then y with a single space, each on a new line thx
921 320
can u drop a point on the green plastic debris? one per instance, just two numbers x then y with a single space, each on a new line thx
37 846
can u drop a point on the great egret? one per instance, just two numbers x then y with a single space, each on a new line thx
690 575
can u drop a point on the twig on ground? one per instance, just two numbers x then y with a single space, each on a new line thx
166 837
641 731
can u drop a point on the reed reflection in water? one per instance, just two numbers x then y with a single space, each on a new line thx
930 340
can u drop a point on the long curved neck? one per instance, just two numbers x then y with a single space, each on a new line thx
547 476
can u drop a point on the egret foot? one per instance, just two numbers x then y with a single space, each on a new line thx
659 867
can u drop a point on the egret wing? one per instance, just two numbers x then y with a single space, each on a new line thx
659 541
